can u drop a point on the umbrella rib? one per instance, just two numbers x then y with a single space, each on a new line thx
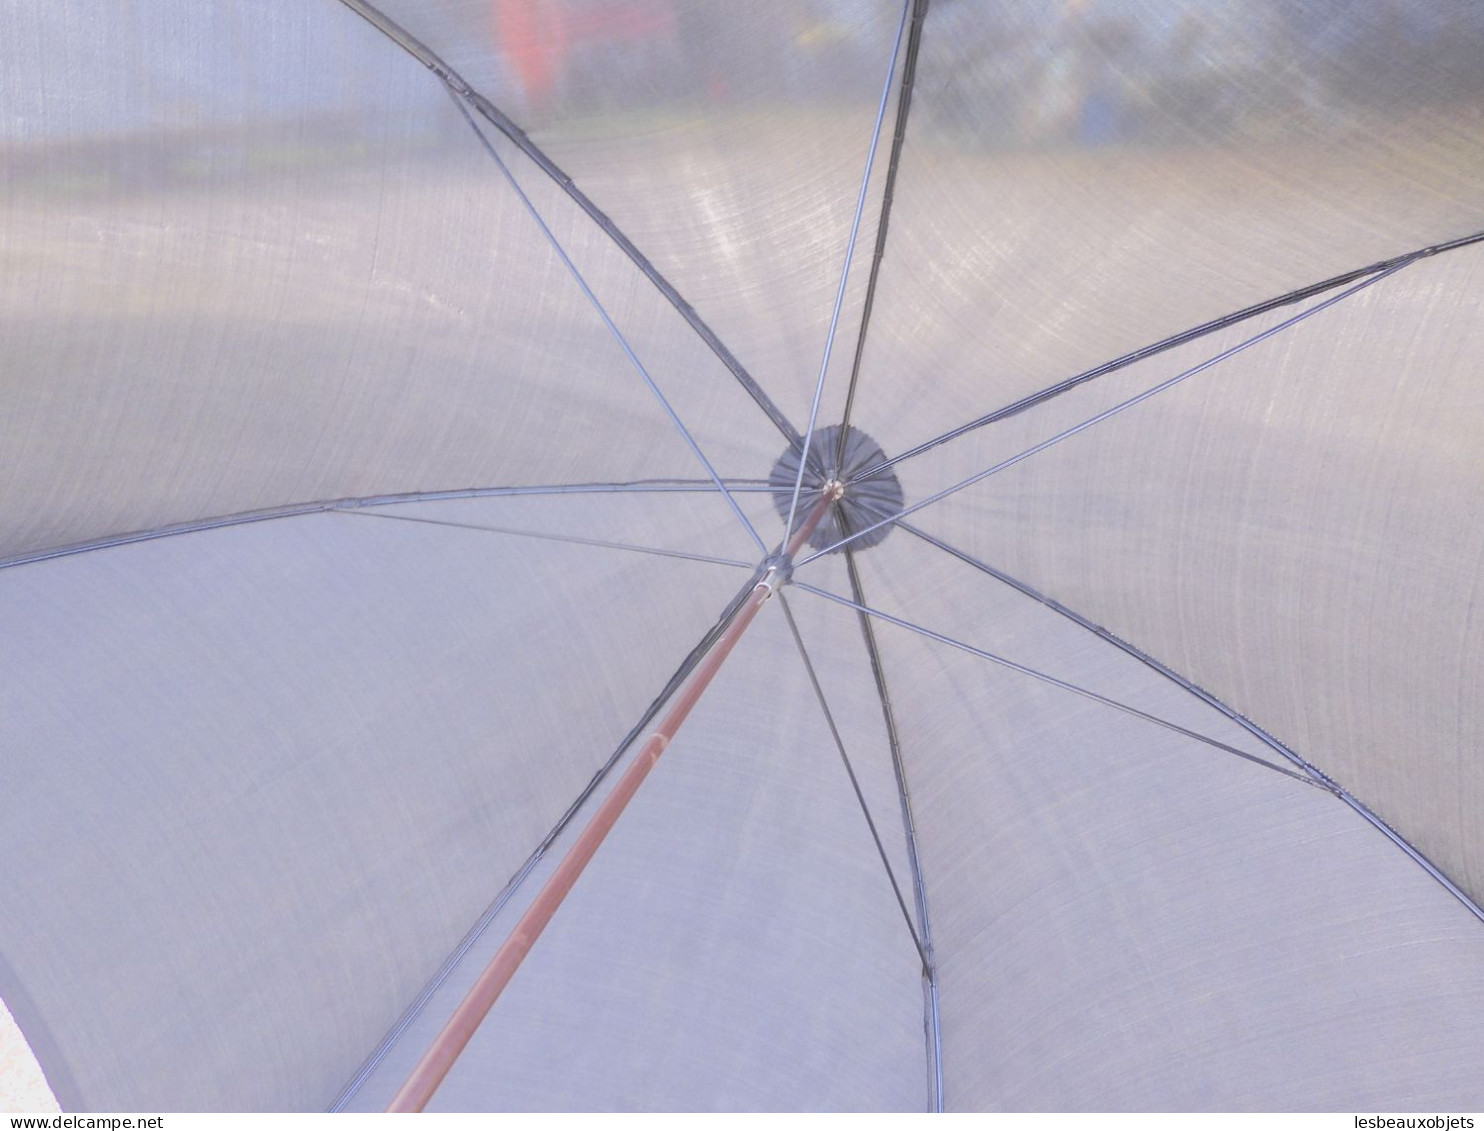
1075 689
1278 747
1313 290
618 487
829 718
888 194
597 305
513 885
1121 406
292 510
932 1022
547 537
855 227
502 122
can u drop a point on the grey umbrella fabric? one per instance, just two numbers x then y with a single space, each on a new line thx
398 398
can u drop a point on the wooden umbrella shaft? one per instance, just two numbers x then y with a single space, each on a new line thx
435 1064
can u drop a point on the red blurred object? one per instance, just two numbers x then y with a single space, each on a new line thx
532 37
538 37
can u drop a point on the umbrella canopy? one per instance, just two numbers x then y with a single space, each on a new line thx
401 399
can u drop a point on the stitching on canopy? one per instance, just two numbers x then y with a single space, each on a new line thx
855 227
1114 411
486 109
1210 700
932 1019
1311 291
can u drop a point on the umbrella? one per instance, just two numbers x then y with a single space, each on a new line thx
407 404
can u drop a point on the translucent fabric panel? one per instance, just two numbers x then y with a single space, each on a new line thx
1082 180
734 945
302 282
1295 530
727 141
260 781
1128 920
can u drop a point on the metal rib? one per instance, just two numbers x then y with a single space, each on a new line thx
597 542
497 118
860 797
482 924
642 486
613 329
622 487
932 1019
1180 339
855 227
888 194
1075 689
1211 701
1121 406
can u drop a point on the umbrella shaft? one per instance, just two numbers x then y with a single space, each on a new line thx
456 1034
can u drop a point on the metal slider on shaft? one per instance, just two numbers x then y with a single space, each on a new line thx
435 1064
